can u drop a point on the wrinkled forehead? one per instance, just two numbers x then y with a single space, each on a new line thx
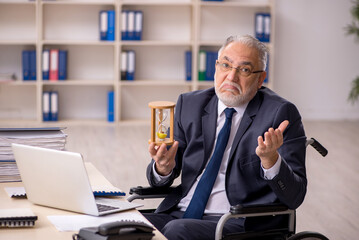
239 53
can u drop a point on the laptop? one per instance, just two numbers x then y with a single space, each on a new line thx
59 179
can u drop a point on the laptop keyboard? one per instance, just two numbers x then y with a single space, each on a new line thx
104 208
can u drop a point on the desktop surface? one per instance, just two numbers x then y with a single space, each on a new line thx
43 228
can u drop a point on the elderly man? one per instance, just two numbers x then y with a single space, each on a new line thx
236 143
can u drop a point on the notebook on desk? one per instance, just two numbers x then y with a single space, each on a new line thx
59 179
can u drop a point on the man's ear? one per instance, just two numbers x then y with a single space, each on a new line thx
261 79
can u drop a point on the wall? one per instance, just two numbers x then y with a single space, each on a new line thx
315 59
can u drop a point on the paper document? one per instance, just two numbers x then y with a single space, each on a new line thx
74 223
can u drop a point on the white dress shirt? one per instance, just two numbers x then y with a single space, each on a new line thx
218 202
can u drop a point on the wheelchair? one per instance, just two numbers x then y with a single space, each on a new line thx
239 211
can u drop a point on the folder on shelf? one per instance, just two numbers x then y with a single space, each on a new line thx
138 25
26 65
111 25
202 65
17 217
103 25
62 68
110 106
259 26
188 65
210 65
46 106
124 25
54 64
131 25
54 107
131 64
33 65
45 64
267 24
123 65
262 26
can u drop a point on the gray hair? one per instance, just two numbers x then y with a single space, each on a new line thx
252 42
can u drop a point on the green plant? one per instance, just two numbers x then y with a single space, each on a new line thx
354 92
353 29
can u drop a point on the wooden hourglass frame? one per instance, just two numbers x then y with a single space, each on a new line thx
158 117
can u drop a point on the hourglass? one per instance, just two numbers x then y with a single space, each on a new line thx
162 117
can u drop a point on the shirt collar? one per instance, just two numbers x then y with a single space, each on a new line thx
240 109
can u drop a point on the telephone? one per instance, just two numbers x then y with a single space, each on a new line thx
129 230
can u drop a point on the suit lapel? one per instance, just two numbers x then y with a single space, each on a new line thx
246 122
209 121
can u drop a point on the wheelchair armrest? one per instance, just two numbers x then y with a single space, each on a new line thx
140 192
238 211
259 208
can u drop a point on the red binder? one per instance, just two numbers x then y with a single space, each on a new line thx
54 65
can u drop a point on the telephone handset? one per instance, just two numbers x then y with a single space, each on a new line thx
129 230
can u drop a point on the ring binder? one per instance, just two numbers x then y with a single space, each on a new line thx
17 217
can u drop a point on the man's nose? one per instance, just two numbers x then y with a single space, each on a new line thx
233 75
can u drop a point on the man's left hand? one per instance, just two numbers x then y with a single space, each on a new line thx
267 147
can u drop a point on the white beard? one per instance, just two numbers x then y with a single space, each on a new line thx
231 100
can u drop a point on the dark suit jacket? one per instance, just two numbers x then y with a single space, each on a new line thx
195 126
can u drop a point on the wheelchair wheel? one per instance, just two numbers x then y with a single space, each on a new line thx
308 236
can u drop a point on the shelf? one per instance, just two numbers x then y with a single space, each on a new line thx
78 42
19 83
157 2
78 83
17 42
156 83
170 28
78 2
236 3
156 43
22 2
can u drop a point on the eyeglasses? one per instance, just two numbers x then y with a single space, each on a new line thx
242 70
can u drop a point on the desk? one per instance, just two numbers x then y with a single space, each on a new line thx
43 227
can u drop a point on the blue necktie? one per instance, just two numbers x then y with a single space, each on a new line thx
200 197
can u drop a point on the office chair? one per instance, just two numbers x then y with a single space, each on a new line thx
239 211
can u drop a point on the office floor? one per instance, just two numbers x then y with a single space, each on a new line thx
330 207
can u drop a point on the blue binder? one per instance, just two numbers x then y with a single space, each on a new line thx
54 106
111 25
45 64
33 65
26 65
110 106
131 25
62 65
124 25
188 65
131 65
210 65
103 25
46 106
267 26
138 25
259 26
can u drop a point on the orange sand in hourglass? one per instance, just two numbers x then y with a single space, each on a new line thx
162 130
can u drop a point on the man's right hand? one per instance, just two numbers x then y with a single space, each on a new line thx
164 159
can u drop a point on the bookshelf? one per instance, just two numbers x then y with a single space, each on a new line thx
170 27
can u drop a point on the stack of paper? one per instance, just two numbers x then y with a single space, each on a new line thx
53 138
